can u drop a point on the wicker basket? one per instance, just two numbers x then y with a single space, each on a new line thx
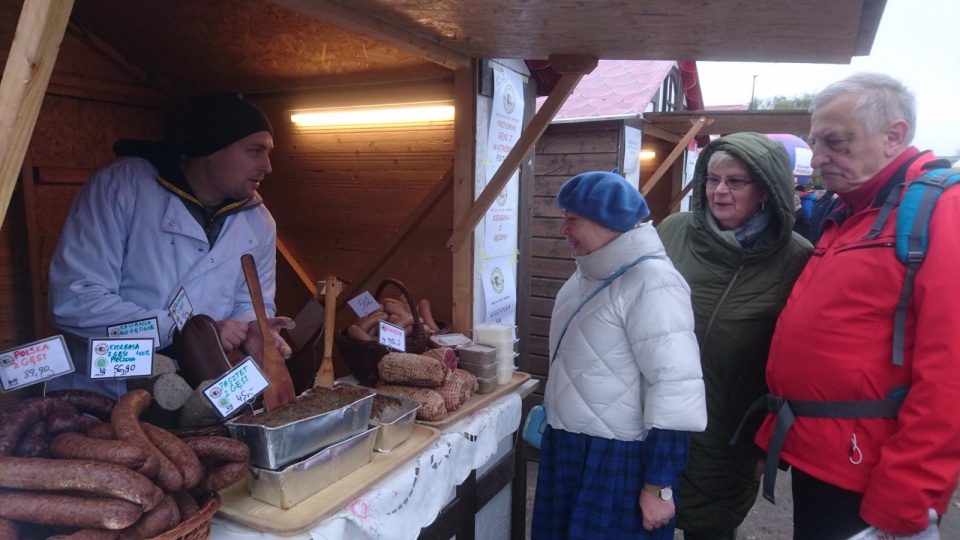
198 526
362 356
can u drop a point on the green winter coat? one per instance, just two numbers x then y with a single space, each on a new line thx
737 295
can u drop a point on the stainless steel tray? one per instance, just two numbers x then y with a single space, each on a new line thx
394 431
275 447
300 480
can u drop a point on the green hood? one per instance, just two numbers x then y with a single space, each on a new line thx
768 162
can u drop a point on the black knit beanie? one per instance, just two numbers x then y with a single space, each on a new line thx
216 121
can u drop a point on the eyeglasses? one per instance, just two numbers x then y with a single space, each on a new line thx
733 184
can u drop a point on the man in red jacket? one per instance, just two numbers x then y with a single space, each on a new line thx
873 443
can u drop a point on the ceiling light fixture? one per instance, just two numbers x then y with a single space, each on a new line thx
409 113
647 154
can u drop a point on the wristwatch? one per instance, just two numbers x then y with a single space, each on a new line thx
665 493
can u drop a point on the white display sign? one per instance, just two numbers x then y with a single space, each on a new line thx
181 309
120 358
236 387
34 362
392 336
499 291
364 304
506 125
148 328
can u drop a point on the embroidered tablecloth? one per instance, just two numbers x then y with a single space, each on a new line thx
411 497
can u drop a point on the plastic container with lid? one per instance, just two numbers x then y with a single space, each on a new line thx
487 384
493 333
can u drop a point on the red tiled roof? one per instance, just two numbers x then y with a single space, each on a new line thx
615 88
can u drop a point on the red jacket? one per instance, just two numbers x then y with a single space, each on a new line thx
847 295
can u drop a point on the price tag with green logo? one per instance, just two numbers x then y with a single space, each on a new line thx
120 358
237 387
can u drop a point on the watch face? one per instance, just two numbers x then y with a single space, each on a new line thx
666 493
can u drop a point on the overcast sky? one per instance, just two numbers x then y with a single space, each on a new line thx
917 42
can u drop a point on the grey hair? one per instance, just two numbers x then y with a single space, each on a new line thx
721 157
883 100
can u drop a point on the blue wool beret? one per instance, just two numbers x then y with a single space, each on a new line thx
604 198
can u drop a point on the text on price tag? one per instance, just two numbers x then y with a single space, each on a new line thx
120 358
392 336
236 387
34 362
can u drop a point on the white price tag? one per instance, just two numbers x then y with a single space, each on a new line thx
392 336
236 387
181 309
34 362
364 304
148 328
120 358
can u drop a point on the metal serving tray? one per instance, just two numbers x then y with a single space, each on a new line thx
275 447
394 431
298 481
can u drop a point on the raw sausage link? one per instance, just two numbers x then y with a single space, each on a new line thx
155 522
178 452
79 475
68 511
126 426
23 415
86 401
77 446
58 423
223 477
222 448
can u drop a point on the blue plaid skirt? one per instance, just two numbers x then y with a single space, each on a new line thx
589 487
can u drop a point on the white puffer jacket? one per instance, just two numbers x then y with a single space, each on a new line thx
629 360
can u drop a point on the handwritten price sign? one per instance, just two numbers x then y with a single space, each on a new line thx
238 386
364 304
392 336
34 362
121 358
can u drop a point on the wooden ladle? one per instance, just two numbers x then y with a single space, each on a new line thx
332 287
280 392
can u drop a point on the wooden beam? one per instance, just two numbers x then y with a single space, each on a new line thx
465 129
301 273
683 193
572 68
370 26
392 244
698 124
649 128
25 77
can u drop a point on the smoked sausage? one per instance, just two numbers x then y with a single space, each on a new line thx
77 446
155 522
126 426
176 451
58 423
67 510
221 448
87 402
86 476
25 414
223 477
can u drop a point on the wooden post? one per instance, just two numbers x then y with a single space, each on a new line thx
573 68
25 77
698 124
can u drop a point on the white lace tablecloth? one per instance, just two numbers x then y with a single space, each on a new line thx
411 497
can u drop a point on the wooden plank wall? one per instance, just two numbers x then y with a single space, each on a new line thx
337 195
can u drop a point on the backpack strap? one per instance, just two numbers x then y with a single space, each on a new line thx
787 410
913 223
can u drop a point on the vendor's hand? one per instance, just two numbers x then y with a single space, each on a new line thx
656 511
254 341
232 333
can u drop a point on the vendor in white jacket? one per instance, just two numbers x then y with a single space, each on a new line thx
166 217
625 388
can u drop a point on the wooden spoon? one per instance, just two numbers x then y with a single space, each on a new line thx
280 392
332 288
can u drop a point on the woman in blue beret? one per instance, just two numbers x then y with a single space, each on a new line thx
624 390
737 250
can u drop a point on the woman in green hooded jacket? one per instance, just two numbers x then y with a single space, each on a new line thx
737 250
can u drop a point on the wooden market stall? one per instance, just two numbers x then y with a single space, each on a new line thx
358 203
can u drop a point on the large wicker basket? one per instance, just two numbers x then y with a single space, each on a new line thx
362 356
197 527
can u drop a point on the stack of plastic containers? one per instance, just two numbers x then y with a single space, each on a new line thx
481 360
499 336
